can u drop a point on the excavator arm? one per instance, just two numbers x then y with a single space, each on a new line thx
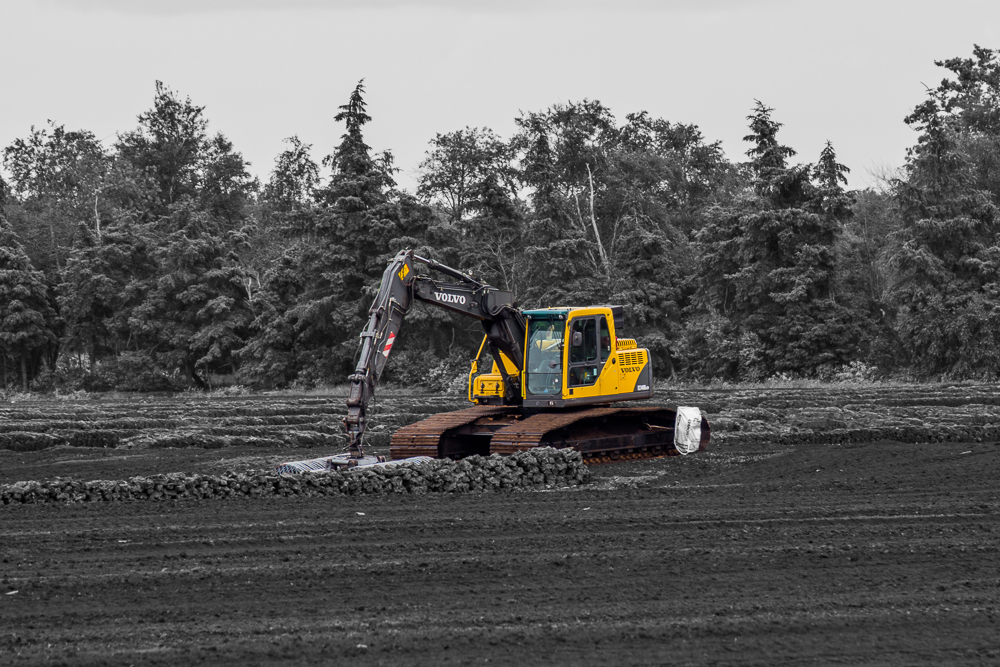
494 308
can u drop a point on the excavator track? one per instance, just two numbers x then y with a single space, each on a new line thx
423 438
602 434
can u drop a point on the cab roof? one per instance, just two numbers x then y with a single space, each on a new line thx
617 312
545 312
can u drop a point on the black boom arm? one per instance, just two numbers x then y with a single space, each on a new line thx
496 309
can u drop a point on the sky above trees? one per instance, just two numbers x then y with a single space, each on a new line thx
847 72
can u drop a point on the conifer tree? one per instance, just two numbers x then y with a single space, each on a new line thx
186 306
947 297
768 158
360 180
830 176
194 313
329 274
87 297
768 265
25 313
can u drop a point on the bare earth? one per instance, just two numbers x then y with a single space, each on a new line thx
870 553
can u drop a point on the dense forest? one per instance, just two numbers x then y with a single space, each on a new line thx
158 262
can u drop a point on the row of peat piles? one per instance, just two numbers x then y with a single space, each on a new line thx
534 469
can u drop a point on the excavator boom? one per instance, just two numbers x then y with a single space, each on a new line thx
494 308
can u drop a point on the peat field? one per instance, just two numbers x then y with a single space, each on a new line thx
839 525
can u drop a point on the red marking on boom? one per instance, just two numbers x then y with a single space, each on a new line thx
388 344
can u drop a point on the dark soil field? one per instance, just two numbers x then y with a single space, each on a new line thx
823 526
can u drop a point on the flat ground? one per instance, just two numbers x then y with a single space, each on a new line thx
875 553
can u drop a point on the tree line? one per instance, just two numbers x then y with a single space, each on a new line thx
159 262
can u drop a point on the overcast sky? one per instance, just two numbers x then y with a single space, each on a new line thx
848 71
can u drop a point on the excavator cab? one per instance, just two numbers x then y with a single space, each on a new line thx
573 357
543 365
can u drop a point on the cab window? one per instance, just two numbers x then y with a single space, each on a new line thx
605 339
590 340
544 363
583 356
583 341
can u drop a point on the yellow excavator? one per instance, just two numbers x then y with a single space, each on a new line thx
556 375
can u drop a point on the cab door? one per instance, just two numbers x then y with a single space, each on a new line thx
584 361
609 374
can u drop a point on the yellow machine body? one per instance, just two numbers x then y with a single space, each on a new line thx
573 357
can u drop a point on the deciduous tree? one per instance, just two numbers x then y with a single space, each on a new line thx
59 178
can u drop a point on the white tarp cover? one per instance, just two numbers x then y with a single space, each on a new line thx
687 430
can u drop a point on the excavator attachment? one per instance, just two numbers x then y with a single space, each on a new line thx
328 463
